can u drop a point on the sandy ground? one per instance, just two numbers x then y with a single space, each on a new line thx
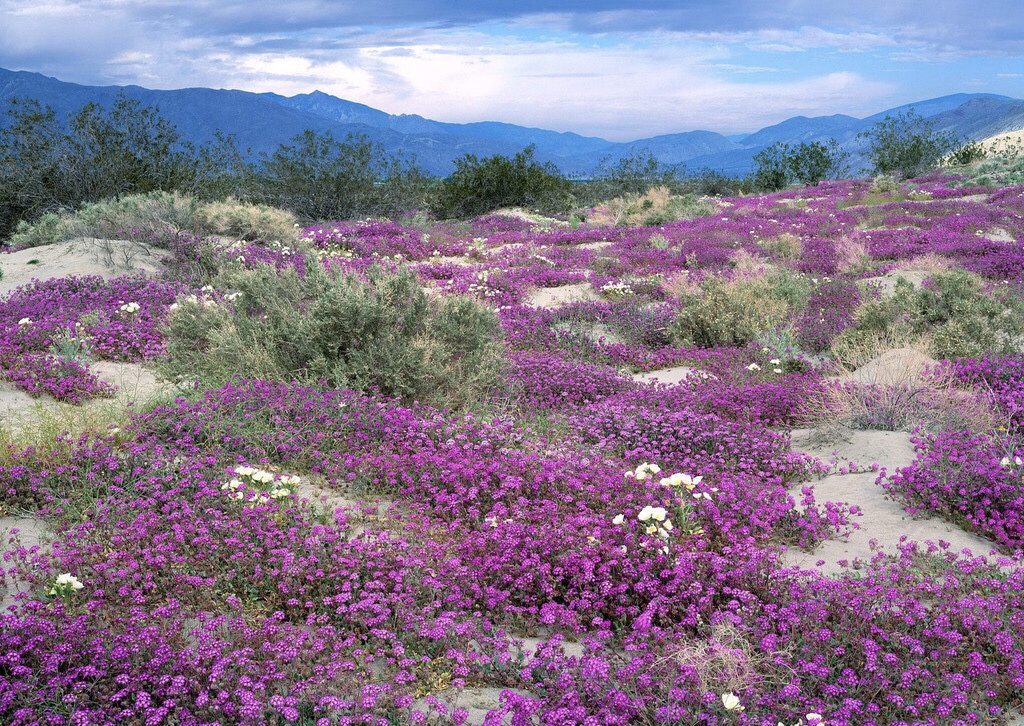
897 367
1004 142
80 257
551 297
884 521
31 533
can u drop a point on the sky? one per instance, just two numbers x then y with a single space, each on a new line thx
616 69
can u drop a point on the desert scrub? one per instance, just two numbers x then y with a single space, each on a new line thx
343 331
158 216
952 311
738 311
150 215
655 207
242 220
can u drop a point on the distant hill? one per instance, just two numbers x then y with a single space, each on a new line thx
262 122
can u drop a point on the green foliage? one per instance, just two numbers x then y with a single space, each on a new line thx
906 145
630 175
771 167
953 311
47 166
320 178
811 162
966 154
158 217
807 163
478 186
738 312
340 331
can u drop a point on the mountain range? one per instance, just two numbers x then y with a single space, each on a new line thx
261 122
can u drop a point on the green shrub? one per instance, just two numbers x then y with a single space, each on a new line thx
154 214
159 216
242 220
478 186
906 145
341 331
738 312
953 313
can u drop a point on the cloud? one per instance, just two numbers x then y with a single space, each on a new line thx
604 67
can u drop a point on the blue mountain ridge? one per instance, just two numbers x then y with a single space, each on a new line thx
261 122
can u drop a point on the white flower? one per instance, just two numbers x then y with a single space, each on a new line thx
815 719
25 321
646 471
1004 462
618 519
667 525
776 370
279 493
658 514
645 513
69 580
753 367
731 702
130 307
775 361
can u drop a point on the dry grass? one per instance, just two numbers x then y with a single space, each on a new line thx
786 246
897 400
725 662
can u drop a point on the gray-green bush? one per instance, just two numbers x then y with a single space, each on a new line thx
953 312
343 331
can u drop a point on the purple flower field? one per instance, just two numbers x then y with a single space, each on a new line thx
586 547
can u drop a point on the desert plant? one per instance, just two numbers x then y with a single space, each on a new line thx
153 216
906 145
952 311
739 311
243 220
382 332
320 178
478 186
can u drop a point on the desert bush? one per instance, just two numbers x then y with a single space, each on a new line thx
318 178
48 165
342 331
952 311
154 216
738 311
906 145
808 163
244 220
478 186
159 218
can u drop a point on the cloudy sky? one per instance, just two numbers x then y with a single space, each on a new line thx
611 68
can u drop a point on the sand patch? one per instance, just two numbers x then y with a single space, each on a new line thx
887 283
31 533
551 297
80 257
998 234
671 376
897 367
884 521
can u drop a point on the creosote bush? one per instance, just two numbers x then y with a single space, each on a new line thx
311 326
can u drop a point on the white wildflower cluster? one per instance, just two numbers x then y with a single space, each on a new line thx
258 486
65 584
1007 463
753 367
129 308
25 321
616 289
482 286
